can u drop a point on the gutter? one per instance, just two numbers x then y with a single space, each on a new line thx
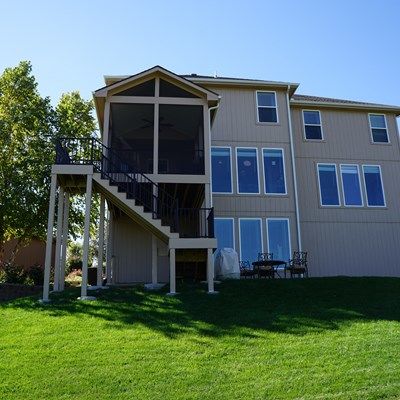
296 199
209 141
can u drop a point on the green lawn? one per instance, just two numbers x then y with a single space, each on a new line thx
335 338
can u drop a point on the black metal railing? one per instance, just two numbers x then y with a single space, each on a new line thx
188 222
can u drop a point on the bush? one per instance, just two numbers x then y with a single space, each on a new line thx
35 273
11 273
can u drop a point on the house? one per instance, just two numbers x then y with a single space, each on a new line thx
190 163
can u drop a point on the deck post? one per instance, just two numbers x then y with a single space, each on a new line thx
100 251
109 250
154 277
64 243
172 275
49 241
86 239
210 271
60 211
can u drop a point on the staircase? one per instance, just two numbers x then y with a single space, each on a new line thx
143 200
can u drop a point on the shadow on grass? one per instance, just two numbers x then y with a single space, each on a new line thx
246 307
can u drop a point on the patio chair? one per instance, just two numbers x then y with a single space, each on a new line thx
298 266
266 272
246 270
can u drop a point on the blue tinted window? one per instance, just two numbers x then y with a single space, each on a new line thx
223 229
351 185
266 107
247 171
373 185
312 125
378 128
278 238
328 185
221 170
274 171
311 117
250 239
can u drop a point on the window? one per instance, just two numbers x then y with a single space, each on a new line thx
377 123
373 186
279 238
351 185
169 90
312 125
274 171
250 239
328 185
145 89
247 170
221 170
266 107
224 232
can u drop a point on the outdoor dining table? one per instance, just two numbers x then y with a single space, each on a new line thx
268 265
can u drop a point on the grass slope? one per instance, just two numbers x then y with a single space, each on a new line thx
336 338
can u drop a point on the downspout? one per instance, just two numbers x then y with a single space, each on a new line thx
209 141
296 199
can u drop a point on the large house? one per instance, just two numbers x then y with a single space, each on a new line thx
188 163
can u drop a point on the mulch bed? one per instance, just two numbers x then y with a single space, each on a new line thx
9 291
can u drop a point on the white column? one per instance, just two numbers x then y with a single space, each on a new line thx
210 271
154 256
64 243
86 238
100 250
49 241
60 210
109 253
172 276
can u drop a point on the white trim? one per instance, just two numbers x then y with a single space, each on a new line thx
320 125
240 236
230 157
284 171
276 107
343 189
237 171
289 232
319 186
365 186
233 228
386 129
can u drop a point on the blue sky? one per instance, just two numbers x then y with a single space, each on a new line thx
345 49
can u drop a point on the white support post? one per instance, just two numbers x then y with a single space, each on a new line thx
64 242
210 272
172 275
86 239
100 250
110 250
60 210
49 241
154 256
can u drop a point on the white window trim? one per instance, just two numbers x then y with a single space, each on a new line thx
233 228
263 171
237 171
337 184
240 236
320 125
276 107
343 190
365 186
230 156
370 129
289 232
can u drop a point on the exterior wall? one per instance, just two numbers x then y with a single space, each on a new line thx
348 240
236 125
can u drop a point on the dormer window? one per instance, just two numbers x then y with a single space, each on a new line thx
267 111
379 133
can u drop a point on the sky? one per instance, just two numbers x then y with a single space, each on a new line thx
345 49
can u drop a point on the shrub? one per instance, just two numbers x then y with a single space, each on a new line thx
11 273
35 273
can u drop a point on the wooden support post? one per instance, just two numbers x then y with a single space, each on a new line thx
154 257
57 261
64 243
100 250
172 274
86 239
49 241
109 254
210 271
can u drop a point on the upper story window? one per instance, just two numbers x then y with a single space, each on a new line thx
328 185
221 170
274 171
266 107
351 186
247 170
379 133
312 125
169 90
145 89
374 186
